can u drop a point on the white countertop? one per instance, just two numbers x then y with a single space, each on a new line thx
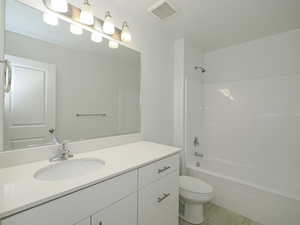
19 190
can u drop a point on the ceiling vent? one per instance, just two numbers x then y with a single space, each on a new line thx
162 10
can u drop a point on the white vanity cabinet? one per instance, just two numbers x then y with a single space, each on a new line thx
123 212
158 195
75 207
144 196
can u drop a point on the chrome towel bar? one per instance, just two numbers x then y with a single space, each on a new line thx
91 114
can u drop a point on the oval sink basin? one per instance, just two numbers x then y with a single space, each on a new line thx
69 169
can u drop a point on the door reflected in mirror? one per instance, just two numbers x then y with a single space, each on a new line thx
59 80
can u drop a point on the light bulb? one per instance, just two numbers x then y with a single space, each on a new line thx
108 25
113 44
125 35
96 37
98 26
59 5
75 29
86 15
50 18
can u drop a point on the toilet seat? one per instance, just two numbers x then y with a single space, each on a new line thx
194 185
195 190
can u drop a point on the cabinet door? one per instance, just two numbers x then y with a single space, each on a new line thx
72 208
158 202
123 212
86 221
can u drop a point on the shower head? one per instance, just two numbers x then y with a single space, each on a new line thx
202 69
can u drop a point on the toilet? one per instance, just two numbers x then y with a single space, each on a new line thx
193 193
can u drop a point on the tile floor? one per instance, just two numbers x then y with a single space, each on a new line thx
215 215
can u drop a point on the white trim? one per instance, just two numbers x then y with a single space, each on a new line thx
2 43
179 100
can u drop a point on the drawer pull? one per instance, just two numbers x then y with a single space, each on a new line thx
160 199
163 169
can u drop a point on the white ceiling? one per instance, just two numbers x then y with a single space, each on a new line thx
213 24
207 24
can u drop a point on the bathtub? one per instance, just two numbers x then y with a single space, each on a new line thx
233 191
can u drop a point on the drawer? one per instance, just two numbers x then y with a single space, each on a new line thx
123 212
156 170
158 202
70 209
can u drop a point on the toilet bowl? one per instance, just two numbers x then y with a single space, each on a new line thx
193 194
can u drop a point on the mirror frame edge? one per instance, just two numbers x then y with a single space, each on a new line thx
2 51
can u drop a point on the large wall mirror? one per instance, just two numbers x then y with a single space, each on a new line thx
59 80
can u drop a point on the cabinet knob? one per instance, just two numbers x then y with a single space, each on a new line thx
165 195
163 169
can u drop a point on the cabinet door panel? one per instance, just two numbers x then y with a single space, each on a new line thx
158 202
72 208
123 212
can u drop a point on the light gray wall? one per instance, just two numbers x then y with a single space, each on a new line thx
88 82
249 127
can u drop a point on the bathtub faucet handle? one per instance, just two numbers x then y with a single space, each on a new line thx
196 142
198 154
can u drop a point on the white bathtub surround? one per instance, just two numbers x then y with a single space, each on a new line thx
251 109
19 190
250 127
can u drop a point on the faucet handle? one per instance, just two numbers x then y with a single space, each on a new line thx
51 131
199 154
66 149
65 142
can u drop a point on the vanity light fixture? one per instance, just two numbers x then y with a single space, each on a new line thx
50 18
113 44
96 37
75 29
108 24
125 34
83 19
59 5
86 14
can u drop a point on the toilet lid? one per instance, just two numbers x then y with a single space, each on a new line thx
194 185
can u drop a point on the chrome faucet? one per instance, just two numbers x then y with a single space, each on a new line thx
55 139
64 152
196 144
